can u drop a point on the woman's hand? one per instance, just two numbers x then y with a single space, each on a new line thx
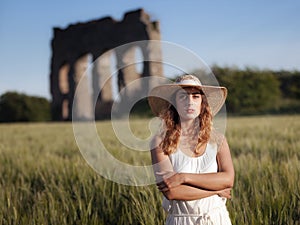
169 180
225 193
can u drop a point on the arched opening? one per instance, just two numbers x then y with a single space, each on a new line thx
65 109
83 96
63 81
139 61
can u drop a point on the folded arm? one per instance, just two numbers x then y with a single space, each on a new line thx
187 193
180 186
209 181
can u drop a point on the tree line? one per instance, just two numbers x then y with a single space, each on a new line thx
253 91
250 92
18 107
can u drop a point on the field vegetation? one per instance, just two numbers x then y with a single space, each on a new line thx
45 180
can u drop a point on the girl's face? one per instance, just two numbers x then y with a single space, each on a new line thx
188 103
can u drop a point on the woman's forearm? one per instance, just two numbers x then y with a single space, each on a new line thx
209 181
187 193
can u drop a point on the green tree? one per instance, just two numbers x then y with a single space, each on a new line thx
15 107
289 83
250 91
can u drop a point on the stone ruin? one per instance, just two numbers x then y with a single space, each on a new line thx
73 50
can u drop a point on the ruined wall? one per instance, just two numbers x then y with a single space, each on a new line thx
75 47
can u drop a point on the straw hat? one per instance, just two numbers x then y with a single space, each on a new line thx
160 97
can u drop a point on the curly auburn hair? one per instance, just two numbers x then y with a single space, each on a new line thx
172 127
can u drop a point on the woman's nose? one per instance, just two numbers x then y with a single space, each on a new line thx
190 99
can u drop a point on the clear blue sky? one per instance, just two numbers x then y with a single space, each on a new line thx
255 33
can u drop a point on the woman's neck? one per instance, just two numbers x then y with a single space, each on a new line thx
188 127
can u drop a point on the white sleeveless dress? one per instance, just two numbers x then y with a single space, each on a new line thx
210 210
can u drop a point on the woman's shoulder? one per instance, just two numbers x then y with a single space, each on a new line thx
155 141
217 139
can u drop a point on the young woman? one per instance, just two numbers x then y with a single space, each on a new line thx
191 161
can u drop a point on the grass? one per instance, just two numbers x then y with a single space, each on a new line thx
45 180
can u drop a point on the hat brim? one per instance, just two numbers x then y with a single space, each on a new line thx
160 97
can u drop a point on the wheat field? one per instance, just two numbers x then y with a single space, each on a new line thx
45 180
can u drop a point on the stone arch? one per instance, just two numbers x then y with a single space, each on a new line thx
71 45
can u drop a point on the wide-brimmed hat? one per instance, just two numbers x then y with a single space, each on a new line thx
160 97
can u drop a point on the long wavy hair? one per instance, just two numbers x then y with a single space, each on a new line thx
172 128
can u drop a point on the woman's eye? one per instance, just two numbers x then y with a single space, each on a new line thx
182 97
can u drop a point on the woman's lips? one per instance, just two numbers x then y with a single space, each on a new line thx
190 110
